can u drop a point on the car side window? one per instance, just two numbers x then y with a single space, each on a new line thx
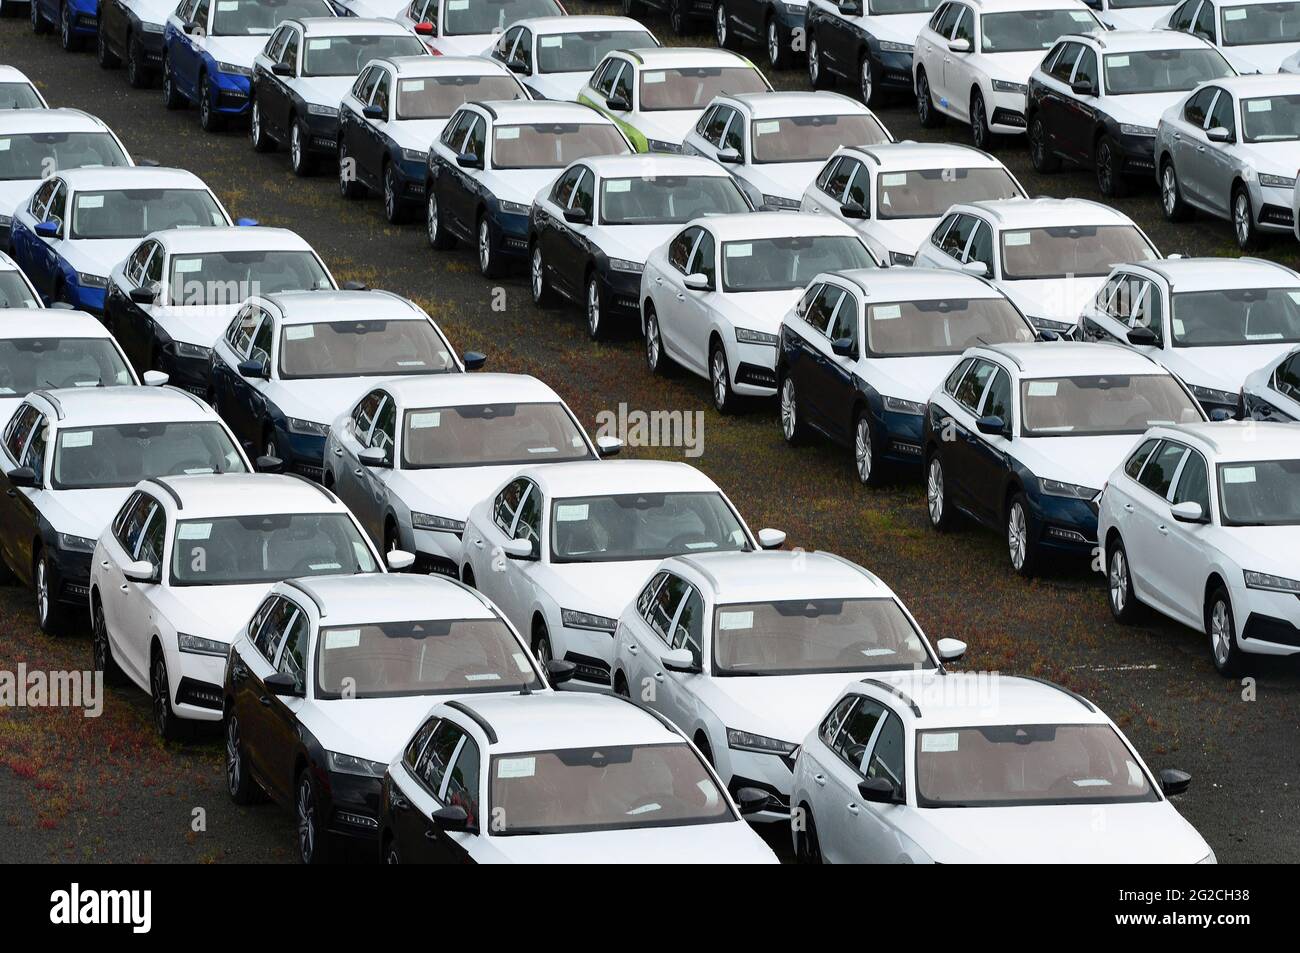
200 15
623 83
240 333
135 264
734 137
704 259
1182 18
887 755
604 80
1064 65
131 522
997 402
365 84
689 631
1159 472
454 134
1222 115
714 124
971 389
289 55
523 53
153 269
828 170
933 22
1085 70
58 203
1204 24
839 181
664 607
275 619
954 243
383 89
941 230
948 20
462 782
1147 309
1198 107
363 415
19 429
431 769
275 44
824 307
679 252
476 139
415 747
830 726
150 547
1194 483
965 28
1134 465
856 732
383 435
646 598
858 192
34 455
954 378
261 349
844 325
41 200
563 189
123 514
293 655
503 47
981 247
1287 378
584 194
507 505
529 524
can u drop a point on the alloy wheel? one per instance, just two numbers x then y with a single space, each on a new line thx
1118 581
1220 632
42 593
158 685
653 347
789 409
862 449
1017 536
718 374
305 809
233 765
934 492
537 274
593 307
484 246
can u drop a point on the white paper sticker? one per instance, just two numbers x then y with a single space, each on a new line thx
343 639
740 250
185 266
425 420
570 512
521 662
730 621
550 42
891 179
227 6
91 201
1015 239
1079 17
516 767
412 85
4 145
194 531
320 43
709 790
321 567
940 742
1238 474
410 363
651 79
80 438
1043 388
872 653
483 677
1091 783
618 185
886 312
1294 296
1179 327
299 332
457 4
1231 15
507 132
1259 105
1116 62
767 126
645 809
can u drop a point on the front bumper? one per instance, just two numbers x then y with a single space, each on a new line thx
512 232
1273 208
900 437
196 684
323 135
893 69
231 93
1062 524
1272 625
1138 153
437 552
85 17
305 453
591 651
753 369
622 291
768 772
354 805
70 582
189 373
87 299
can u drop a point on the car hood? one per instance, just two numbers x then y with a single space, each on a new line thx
7 407
324 90
1223 368
731 842
1013 67
757 310
520 185
634 242
1275 158
1058 299
201 324
418 134
15 193
97 256
745 702
911 378
599 588
1140 18
156 11
450 492
667 125
472 44
897 28
211 612
786 179
903 235
1144 109
1269 549
1085 461
1267 58
1291 64
82 512
370 728
319 400
239 50
563 87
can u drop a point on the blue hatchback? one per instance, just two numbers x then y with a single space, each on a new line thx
76 20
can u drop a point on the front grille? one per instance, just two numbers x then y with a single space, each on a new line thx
1276 215
1263 628
435 565
199 694
589 669
1008 117
755 375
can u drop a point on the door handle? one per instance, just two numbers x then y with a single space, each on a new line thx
659 676
1163 530
633 650
430 834
338 451
658 280
265 700
820 779
11 492
1128 507
478 543
124 587
1178 137
680 297
853 809
1200 148
357 471
104 563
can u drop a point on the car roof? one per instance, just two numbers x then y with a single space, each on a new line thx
1072 359
53 323
916 284
653 164
1259 84
419 65
669 57
578 24
63 119
11 74
1140 41
451 390
245 494
757 225
775 104
1240 440
1044 212
540 111
131 177
180 241
350 26
973 699
107 406
924 155
615 477
309 307
554 721
366 598
1214 274
778 575
1011 6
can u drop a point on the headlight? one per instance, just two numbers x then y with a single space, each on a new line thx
76 544
1271 583
900 406
574 619
194 645
1276 181
658 145
194 351
899 259
889 46
748 741
1210 395
1131 130
415 155
514 208
746 336
6 221
1071 490
308 428
1003 86
315 110
91 281
781 202
622 264
1051 325
234 69
440 523
351 764
151 27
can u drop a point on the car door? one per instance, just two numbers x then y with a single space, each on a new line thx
803 358
670 293
141 332
192 46
46 253
1190 143
139 598
23 240
354 128
1216 164
119 544
1079 119
1186 551
695 307
989 457
13 520
245 413
26 502
280 733
353 437
1052 97
1144 543
552 232
371 503
932 47
960 448
830 392
257 714
634 639
572 243
1120 499
276 108
960 69
373 140
462 196
406 798
441 776
264 83
122 316
839 829
667 690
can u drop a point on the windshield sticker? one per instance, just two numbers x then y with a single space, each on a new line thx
740 250
618 185
651 79
1016 239
509 132
1259 105
91 201
1043 388
343 639
645 809
458 4
83 438
521 662
1238 474
4 145
767 126
570 512
426 419
886 312
707 544
410 363
1079 17
194 531
186 265
320 43
322 567
227 6
516 767
543 450
1294 296
548 42
1091 783
483 677
891 179
1178 327
1116 62
709 790
730 621
299 333
413 86
932 743
1231 15
871 653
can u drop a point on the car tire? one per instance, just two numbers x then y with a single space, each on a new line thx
1108 166
724 398
257 134
488 248
868 91
1171 194
793 428
541 646
722 32
69 40
817 76
926 114
51 615
1022 549
1244 228
594 306
392 541
390 854
1041 156
239 782
1221 629
313 840
620 685
301 161
350 186
209 119
808 849
543 294
1124 604
439 238
865 462
138 74
172 98
394 206
983 136
39 23
105 57
168 726
679 18
938 504
101 650
656 359
777 39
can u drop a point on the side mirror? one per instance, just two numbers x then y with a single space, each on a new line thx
992 425
851 8
679 660
577 216
959 46
144 295
751 800
141 570
281 69
879 791
1219 414
608 446
950 650
1143 337
1044 334
375 457
559 671
450 819
853 210
771 538
22 476
282 683
373 111
1173 781
424 29
247 222
269 464
1188 511
518 548
467 160
354 286
48 229
399 559
473 360
844 347
1219 134
618 103
155 378
730 156
976 268
1083 87
254 369
698 282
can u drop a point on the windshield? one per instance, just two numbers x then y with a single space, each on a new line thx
1163 71
580 52
434 657
615 787
778 264
19 96
14 292
1026 30
693 88
363 349
590 529
1260 24
1135 4
1226 318
28 364
807 637
124 454
1002 765
437 97
553 145
668 199
929 193
134 213
1079 251
347 55
1103 405
225 278
1260 493
467 17
1271 118
246 550
33 155
261 17
813 138
949 326
879 8
493 435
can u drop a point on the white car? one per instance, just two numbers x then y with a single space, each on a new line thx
171 299
590 234
1201 523
974 58
328 680
1049 256
16 291
415 454
554 56
35 143
563 549
713 296
71 457
458 27
559 779
1257 36
895 193
657 95
743 652
1272 392
290 363
933 768
187 559
1211 321
1291 64
1147 15
1021 438
775 143
19 92
861 352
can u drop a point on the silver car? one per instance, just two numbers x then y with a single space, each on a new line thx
1231 148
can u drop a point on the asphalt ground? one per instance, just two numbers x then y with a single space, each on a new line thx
105 789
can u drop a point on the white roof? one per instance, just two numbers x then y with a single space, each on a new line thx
1016 6
11 74
777 104
961 700
924 155
108 406
549 722
759 225
917 284
779 575
1260 84
131 177
182 241
351 26
53 323
617 477
1073 359
1240 439
454 390
1140 41
20 121
414 66
246 494
685 57
1046 213
1215 274
653 164
580 24
310 307
529 111
383 597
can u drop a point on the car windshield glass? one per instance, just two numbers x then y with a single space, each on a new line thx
246 550
348 55
363 349
468 17
1103 405
124 454
134 213
1260 24
1002 765
490 435
693 87
1245 316
812 138
668 199
613 787
948 326
227 278
437 97
1271 118
776 264
261 17
28 364
1081 251
1026 30
553 145
580 52
1135 4
806 637
19 96
627 526
430 657
1162 71
929 193
880 8
14 292
1260 493
34 155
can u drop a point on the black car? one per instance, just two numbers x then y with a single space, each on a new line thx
127 35
774 24
683 15
855 40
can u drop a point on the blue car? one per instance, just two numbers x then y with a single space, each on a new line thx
76 20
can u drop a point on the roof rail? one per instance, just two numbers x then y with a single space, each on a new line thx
170 491
52 400
302 587
905 698
483 106
1187 432
312 483
999 349
695 564
475 717
1060 688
